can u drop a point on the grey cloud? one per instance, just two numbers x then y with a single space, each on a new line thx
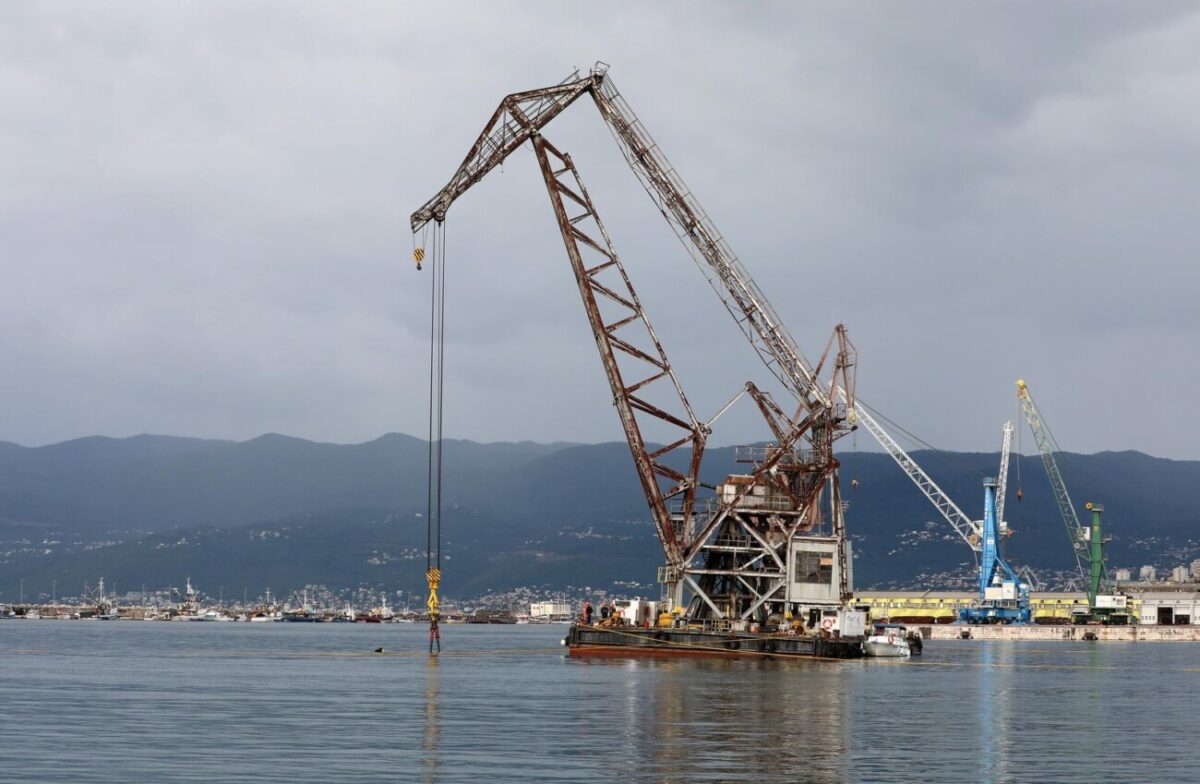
204 218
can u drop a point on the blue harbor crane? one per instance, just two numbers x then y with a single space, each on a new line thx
1003 598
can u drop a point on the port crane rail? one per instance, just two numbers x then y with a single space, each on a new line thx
733 552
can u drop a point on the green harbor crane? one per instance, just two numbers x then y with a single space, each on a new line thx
1087 542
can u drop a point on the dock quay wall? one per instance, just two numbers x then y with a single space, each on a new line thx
1063 633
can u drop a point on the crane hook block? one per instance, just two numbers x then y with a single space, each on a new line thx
433 576
418 256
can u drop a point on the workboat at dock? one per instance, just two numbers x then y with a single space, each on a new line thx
892 640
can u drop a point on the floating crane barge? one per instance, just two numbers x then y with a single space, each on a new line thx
765 549
615 641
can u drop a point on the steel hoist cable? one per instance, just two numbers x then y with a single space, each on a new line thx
915 439
434 465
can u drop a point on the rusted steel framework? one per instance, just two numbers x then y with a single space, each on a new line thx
733 550
600 274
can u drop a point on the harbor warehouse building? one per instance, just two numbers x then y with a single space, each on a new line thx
1169 608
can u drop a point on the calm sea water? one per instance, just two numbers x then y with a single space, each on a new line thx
171 702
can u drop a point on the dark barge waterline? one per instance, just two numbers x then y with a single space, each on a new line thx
635 641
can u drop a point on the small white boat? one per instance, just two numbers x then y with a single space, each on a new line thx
891 640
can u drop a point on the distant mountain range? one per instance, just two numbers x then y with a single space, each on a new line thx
282 512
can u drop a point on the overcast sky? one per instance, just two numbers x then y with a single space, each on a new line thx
204 213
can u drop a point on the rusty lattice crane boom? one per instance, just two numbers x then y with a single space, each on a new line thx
521 116
736 552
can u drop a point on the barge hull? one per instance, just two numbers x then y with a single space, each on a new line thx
632 641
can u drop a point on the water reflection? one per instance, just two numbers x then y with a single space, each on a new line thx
995 709
1096 728
722 720
429 744
504 704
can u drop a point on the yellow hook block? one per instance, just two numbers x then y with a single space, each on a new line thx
433 576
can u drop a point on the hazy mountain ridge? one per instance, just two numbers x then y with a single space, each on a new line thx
517 513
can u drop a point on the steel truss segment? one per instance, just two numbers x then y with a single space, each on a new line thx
723 514
729 278
837 515
700 592
764 597
614 326
555 167
1002 480
610 294
772 413
734 572
514 122
749 587
766 547
964 526
629 349
1047 447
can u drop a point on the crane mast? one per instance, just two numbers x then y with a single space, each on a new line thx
1003 598
764 543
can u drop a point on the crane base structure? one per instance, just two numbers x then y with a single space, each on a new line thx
1103 608
1003 598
